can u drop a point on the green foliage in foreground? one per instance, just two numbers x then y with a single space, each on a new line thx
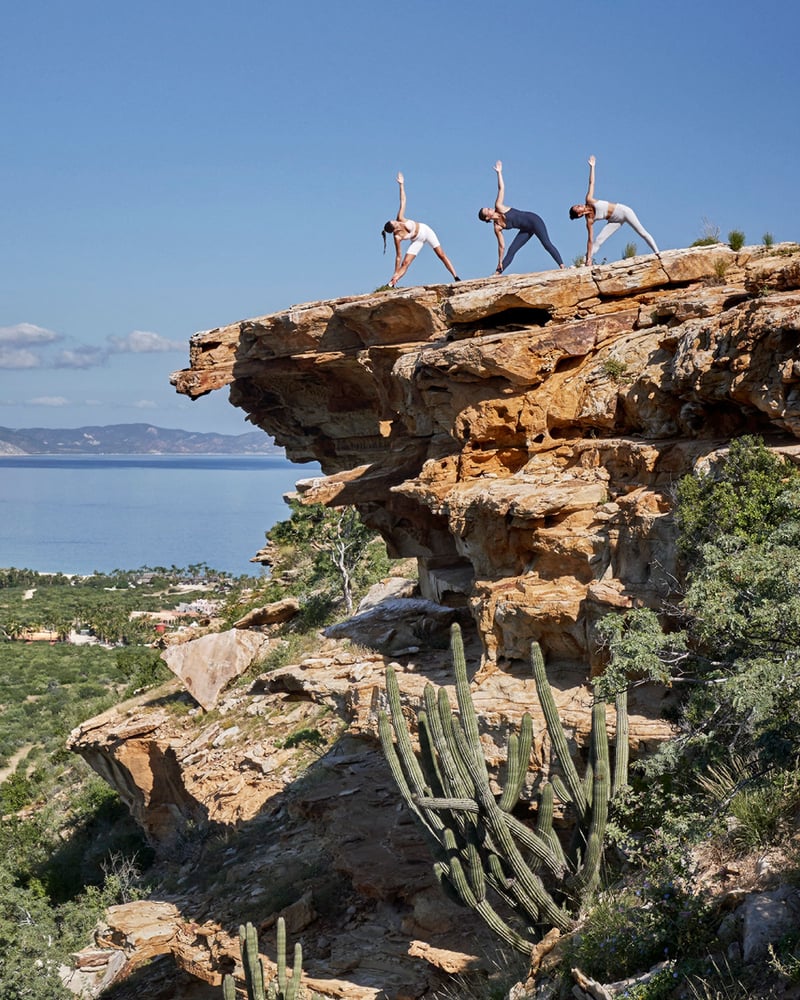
732 775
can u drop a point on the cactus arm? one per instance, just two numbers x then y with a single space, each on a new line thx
530 883
544 824
460 777
454 870
228 988
430 764
405 750
466 707
457 805
293 986
251 962
556 731
622 746
393 760
519 753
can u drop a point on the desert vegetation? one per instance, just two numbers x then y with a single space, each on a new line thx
632 894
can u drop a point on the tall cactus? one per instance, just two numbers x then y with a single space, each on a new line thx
282 988
493 862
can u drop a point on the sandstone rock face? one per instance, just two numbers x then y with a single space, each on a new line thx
521 436
206 665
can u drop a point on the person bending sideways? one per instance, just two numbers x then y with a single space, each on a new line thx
401 229
528 223
614 214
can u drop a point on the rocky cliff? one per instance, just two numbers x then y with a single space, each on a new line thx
520 436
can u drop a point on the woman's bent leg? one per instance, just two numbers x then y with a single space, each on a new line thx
608 230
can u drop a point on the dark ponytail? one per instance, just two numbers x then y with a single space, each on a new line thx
388 228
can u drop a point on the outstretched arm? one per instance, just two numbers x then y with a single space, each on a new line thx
590 201
590 192
589 238
401 212
499 205
501 245
398 253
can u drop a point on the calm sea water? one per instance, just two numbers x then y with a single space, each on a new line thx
78 514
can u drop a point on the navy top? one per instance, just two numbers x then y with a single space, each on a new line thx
526 221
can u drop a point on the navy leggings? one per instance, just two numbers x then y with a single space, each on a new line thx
532 225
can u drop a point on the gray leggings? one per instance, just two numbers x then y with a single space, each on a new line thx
621 215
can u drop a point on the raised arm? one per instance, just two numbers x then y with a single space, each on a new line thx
401 212
499 205
590 192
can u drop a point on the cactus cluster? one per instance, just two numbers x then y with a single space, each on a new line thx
282 988
521 880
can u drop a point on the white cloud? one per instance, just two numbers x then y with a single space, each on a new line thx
26 345
82 356
145 404
24 334
17 357
48 401
144 342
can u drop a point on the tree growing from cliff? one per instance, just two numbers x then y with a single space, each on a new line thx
341 546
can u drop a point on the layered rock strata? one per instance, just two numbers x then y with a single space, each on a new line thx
521 436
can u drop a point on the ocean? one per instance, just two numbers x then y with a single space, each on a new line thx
87 513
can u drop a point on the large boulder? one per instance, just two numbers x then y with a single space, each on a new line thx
207 665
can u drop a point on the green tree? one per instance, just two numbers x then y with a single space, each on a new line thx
336 538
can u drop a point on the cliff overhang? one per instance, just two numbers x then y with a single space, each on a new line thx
521 436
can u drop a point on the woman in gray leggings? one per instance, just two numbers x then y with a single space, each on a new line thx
614 214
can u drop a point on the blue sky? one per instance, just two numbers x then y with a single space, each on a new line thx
169 167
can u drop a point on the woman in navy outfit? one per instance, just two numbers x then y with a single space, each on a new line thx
528 223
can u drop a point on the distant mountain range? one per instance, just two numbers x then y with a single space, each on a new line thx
130 439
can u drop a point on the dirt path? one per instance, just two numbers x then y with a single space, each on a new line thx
11 766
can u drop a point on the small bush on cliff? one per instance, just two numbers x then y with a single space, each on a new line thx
629 251
768 239
709 235
736 239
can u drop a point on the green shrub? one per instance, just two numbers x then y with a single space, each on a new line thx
748 495
736 239
768 239
721 267
709 235
629 251
630 929
615 368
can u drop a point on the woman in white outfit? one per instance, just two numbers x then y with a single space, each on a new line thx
614 214
401 229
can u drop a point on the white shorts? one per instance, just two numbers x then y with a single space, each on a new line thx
425 235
